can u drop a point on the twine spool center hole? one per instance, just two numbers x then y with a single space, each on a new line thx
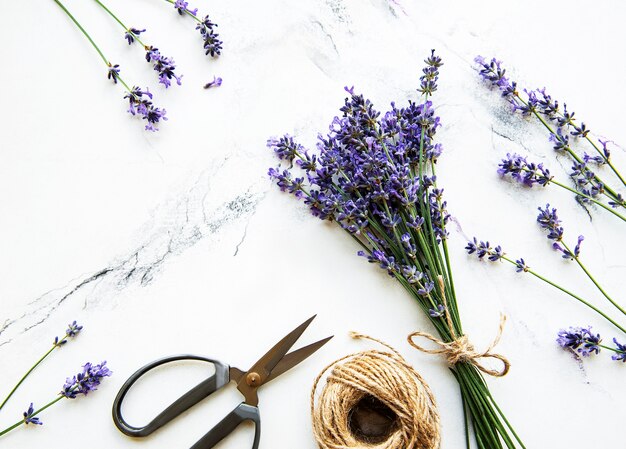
371 421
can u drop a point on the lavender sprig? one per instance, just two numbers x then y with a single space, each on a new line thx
540 105
483 250
584 342
549 220
86 381
530 173
163 65
150 113
73 329
212 43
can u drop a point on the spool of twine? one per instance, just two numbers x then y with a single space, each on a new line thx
389 379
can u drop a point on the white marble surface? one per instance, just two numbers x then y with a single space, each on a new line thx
177 242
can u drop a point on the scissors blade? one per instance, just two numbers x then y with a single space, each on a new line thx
268 362
295 357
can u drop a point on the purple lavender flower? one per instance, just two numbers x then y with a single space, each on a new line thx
182 6
73 329
113 72
217 82
163 65
29 418
212 43
520 266
426 288
586 181
437 313
140 102
620 353
483 249
580 339
428 81
131 34
549 220
528 173
85 381
285 148
365 176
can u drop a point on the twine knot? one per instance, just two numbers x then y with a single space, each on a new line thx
460 349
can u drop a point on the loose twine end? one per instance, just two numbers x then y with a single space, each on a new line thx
460 349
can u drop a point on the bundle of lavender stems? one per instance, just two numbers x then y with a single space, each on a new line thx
374 175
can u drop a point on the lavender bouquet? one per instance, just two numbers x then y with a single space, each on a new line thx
374 175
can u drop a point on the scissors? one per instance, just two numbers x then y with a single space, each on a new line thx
274 363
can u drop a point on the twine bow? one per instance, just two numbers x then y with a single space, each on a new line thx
460 349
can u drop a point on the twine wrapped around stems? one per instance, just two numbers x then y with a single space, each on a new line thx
460 349
387 377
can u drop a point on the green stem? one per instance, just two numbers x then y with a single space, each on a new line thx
564 290
35 413
589 275
80 27
120 22
26 375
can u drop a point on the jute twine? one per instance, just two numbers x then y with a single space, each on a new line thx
460 349
390 379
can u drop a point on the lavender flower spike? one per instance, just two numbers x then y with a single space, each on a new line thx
528 173
580 339
212 43
29 418
140 102
86 381
163 65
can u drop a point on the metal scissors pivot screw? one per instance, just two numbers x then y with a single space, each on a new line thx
274 363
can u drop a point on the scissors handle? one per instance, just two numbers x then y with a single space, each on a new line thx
243 412
220 378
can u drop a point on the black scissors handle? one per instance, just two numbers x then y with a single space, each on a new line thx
219 379
243 412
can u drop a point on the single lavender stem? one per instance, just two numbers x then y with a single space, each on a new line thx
35 413
590 198
120 22
26 375
580 264
578 298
